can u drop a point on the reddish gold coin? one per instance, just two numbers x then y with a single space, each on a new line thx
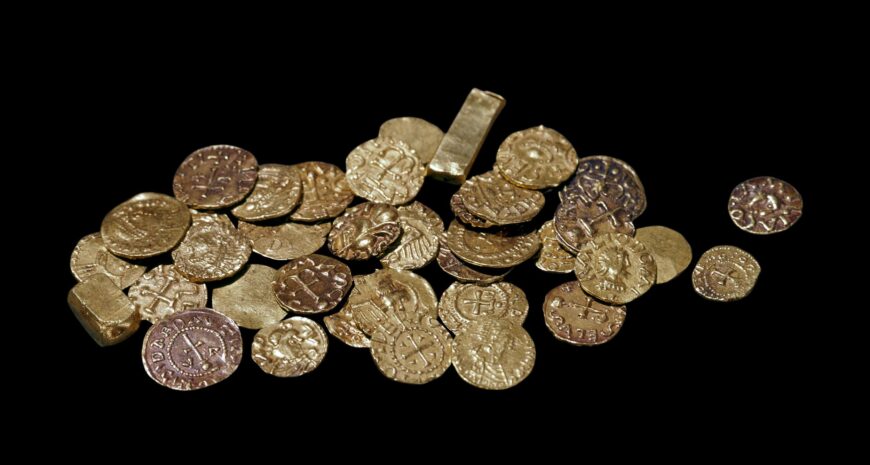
312 284
576 222
607 179
765 205
325 192
214 177
364 231
574 317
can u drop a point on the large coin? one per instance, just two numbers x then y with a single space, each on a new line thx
391 299
765 205
147 225
491 197
312 284
612 180
574 317
462 213
423 136
162 292
491 250
416 354
325 192
385 171
364 231
453 266
553 257
671 250
463 303
418 244
277 193
91 257
725 273
215 177
248 298
285 241
536 158
211 252
493 354
345 329
615 268
291 347
576 222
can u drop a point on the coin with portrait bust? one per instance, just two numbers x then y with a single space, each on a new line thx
615 268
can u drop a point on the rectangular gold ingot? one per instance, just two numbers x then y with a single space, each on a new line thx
463 140
101 307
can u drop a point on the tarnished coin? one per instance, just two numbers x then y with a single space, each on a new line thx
286 241
491 197
390 299
162 292
210 217
671 251
451 265
615 268
364 231
609 179
491 250
248 298
312 284
418 244
385 171
147 225
493 354
192 349
725 273
215 177
345 329
423 136
574 317
211 252
325 192
576 222
553 257
416 354
277 193
765 205
536 158
291 347
466 216
463 303
91 257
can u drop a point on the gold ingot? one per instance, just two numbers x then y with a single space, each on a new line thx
553 257
103 309
423 136
91 257
536 158
248 300
725 273
671 250
491 250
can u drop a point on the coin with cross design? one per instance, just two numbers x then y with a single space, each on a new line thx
725 273
415 354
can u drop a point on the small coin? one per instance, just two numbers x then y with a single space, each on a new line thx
422 136
536 158
725 273
608 179
463 303
671 250
416 354
576 222
248 298
466 216
162 292
385 171
451 265
290 348
325 192
145 226
418 243
493 354
91 257
215 177
765 205
192 349
211 252
277 193
286 241
364 231
574 317
553 257
615 268
491 197
312 284
345 329
491 250
390 299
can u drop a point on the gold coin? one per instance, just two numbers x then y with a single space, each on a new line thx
493 354
276 194
462 214
765 205
390 299
211 252
162 291
491 250
453 266
576 222
553 257
416 354
91 257
422 136
364 231
312 284
418 244
286 241
325 192
215 177
463 303
104 311
491 197
385 171
536 158
725 273
147 225
248 299
606 179
291 347
615 268
671 250
574 317
345 329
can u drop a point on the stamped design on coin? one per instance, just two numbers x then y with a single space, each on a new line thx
608 179
312 284
91 256
536 158
491 250
574 317
145 226
416 354
615 268
215 177
385 171
553 257
493 354
765 205
290 348
421 135
277 193
211 252
325 192
418 244
162 292
285 241
725 273
491 197
364 231
451 265
576 222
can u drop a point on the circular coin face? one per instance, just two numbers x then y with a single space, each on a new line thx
415 354
463 303
276 194
615 268
162 292
325 192
147 225
492 198
610 180
289 348
765 205
312 284
574 317
725 273
418 243
91 257
493 354
385 171
364 231
576 222
536 158
214 177
211 252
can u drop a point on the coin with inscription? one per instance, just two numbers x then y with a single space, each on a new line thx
553 257
422 136
364 231
491 250
312 284
417 354
91 256
385 171
463 303
215 177
277 193
162 292
192 349
576 222
390 299
147 225
491 197
342 325
608 179
671 251
536 158
725 273
211 252
464 273
418 244
290 348
574 317
325 192
615 268
466 216
493 354
765 205
285 241
248 299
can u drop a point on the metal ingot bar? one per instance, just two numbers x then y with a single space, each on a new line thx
101 307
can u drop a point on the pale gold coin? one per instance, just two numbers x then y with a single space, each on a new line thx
418 244
364 231
91 257
455 267
416 354
615 268
345 329
389 299
104 311
211 252
286 241
385 171
462 214
290 348
215 177
491 250
491 197
277 193
493 354
325 192
210 217
536 158
422 136
162 291
574 317
671 250
147 225
463 303
725 273
248 299
553 257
